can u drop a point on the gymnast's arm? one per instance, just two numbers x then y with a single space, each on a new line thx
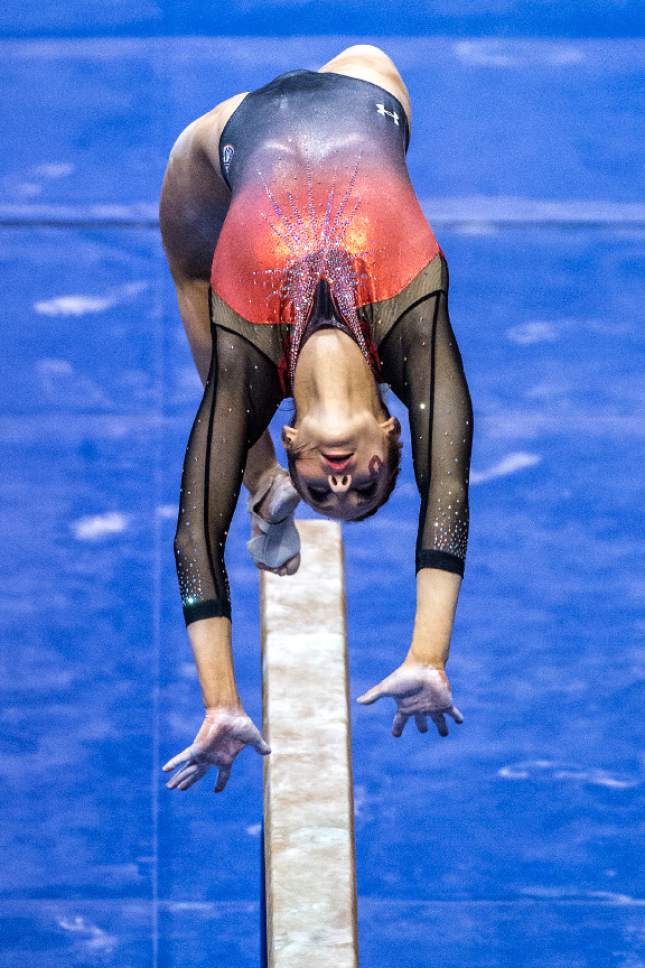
422 359
240 396
193 205
422 363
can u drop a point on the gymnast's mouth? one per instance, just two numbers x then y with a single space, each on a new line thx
338 462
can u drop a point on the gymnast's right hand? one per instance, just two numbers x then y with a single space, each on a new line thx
224 732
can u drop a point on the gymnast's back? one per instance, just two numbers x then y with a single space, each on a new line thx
309 138
320 188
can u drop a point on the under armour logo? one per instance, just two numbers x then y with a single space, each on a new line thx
382 110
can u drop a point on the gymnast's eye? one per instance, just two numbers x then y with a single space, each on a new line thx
319 493
369 490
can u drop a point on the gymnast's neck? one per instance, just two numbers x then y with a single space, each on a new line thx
333 380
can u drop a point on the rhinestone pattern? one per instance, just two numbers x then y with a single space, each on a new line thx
320 187
317 249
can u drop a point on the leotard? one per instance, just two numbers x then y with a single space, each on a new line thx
322 213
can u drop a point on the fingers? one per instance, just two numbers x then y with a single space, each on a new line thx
222 778
175 780
399 684
440 722
179 758
186 777
422 722
398 724
456 715
226 736
261 746
249 733
371 695
191 778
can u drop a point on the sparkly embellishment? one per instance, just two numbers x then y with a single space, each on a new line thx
451 535
190 582
315 241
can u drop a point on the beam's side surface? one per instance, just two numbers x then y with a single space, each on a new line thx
308 805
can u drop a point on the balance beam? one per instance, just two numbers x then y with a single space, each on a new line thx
310 869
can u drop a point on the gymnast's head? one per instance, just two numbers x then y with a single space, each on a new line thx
344 456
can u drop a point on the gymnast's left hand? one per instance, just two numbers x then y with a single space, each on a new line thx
418 691
223 734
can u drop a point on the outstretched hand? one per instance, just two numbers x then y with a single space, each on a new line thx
222 735
418 691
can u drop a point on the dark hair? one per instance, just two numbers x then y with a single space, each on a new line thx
393 461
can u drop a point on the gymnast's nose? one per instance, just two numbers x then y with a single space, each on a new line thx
339 483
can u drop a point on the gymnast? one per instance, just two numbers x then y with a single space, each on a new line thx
305 268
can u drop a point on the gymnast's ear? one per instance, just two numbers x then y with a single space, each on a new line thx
391 427
288 437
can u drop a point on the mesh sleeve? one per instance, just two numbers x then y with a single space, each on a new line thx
423 365
240 396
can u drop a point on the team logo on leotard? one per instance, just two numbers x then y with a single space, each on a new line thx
382 110
227 156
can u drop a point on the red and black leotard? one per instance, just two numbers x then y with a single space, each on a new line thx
316 162
320 191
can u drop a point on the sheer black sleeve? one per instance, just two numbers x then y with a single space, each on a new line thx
423 365
241 394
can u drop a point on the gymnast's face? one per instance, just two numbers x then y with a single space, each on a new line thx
341 470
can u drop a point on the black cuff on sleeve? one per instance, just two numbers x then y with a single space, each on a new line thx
443 560
210 609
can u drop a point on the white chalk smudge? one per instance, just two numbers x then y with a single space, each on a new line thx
550 770
610 897
72 305
95 527
537 331
78 304
500 53
54 169
92 937
507 465
59 381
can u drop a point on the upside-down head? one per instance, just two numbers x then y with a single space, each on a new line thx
346 471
